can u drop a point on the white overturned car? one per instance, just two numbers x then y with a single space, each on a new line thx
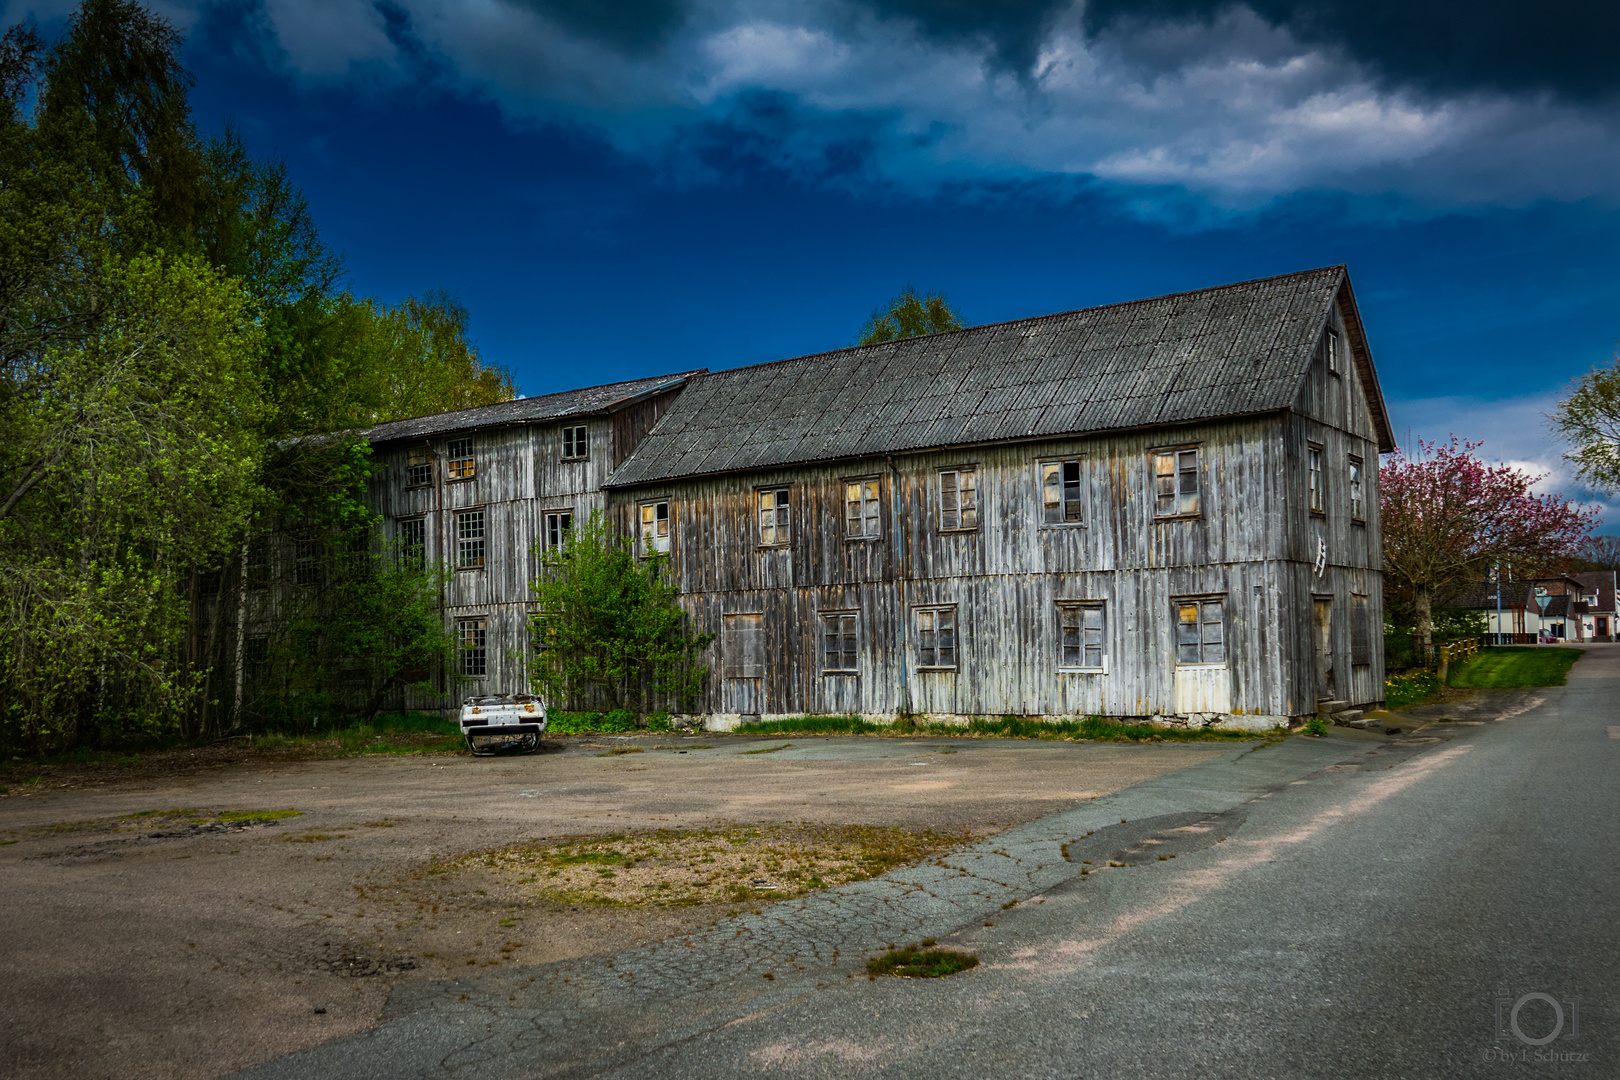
498 721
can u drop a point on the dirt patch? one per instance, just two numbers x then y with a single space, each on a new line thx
671 868
203 950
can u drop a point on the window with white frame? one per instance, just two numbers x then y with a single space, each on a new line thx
559 523
419 466
1330 346
862 511
1082 636
460 462
410 540
1358 509
774 526
655 528
576 443
1175 482
840 642
1313 467
472 636
1060 492
936 637
1200 631
470 540
958 499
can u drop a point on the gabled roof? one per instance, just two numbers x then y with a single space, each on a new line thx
589 401
1234 350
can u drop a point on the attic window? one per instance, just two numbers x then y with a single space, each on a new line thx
576 443
1060 492
655 528
862 520
774 526
419 467
1330 345
1318 492
1175 483
958 499
1358 511
461 465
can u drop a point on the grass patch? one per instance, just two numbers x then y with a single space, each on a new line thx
1403 691
618 750
921 962
770 749
677 868
1506 666
1091 729
408 733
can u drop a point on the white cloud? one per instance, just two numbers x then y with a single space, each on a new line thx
1237 113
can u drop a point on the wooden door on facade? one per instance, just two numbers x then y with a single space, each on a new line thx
1324 648
742 654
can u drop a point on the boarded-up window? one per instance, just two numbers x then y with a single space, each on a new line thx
1313 468
559 523
774 527
840 643
1175 482
418 467
1060 491
307 562
470 540
862 514
1082 638
743 651
576 443
461 464
936 637
1360 631
1358 509
655 528
472 636
1200 632
958 499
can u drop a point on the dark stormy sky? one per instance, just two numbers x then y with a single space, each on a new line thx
620 189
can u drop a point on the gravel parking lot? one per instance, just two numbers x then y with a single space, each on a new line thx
176 927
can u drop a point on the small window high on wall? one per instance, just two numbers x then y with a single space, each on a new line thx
775 529
418 466
1060 492
655 528
1175 482
958 499
576 443
862 511
460 463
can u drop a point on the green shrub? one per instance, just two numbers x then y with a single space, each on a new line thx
1316 726
659 721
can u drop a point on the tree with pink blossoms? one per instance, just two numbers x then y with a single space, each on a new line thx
1448 517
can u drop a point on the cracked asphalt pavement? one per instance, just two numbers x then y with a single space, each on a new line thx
1440 904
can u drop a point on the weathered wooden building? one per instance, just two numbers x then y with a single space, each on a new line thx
1166 508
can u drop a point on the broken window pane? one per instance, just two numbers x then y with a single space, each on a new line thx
1081 636
471 634
470 539
861 510
461 464
958 500
655 528
1200 632
773 517
1060 492
936 637
1175 483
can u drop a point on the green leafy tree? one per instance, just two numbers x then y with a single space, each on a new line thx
370 626
1589 417
608 625
910 315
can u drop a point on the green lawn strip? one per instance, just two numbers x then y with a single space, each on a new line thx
1508 666
1091 728
921 962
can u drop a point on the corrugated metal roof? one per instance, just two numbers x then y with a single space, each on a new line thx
584 402
1233 350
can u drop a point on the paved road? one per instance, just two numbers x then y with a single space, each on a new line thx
1334 908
